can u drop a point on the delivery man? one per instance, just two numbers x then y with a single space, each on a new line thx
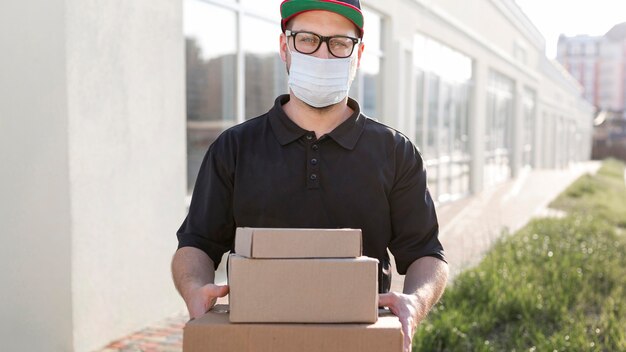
314 161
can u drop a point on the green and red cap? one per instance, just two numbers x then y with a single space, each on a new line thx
350 9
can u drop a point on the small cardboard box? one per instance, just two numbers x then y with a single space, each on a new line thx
214 333
327 290
297 243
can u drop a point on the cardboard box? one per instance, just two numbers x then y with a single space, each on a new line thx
328 290
213 333
297 243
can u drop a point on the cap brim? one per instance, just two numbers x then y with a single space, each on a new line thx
289 9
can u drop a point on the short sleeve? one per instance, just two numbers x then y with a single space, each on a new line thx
415 229
209 225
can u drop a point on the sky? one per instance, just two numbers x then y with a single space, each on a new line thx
572 17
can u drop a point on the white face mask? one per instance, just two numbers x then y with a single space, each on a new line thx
321 82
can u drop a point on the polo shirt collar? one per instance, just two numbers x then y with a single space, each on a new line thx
347 134
286 131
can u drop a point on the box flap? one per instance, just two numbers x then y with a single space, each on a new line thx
243 241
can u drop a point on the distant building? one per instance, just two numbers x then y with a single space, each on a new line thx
599 64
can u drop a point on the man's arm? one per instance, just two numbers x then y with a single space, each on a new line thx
424 284
193 272
426 278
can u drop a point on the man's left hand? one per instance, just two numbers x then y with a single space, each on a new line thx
408 309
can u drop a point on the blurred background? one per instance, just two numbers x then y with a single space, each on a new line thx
107 108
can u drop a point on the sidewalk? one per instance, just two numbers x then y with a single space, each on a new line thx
468 228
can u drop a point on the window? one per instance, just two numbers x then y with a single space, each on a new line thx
265 8
443 87
219 56
530 101
265 72
498 131
210 74
366 86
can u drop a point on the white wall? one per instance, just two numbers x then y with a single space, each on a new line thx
468 28
92 183
35 300
127 163
515 49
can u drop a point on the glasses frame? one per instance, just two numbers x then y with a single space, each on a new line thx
323 39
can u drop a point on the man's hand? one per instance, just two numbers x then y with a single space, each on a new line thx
201 299
408 309
424 283
193 273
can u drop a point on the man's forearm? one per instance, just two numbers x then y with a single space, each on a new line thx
426 278
191 268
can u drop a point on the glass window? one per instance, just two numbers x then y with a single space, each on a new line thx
420 129
366 86
268 8
498 131
443 85
265 72
432 126
210 72
529 127
372 36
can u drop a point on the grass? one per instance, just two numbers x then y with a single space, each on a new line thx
602 195
555 285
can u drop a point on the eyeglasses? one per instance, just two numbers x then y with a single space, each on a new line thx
340 46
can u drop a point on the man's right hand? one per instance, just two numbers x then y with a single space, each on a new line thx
203 298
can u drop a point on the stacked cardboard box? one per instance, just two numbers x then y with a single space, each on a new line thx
214 333
288 290
301 276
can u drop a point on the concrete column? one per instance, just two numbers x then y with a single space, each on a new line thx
405 87
478 111
92 182
35 221
517 133
392 104
539 144
126 115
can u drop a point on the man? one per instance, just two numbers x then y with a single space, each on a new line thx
314 161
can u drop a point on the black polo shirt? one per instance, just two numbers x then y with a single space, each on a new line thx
269 172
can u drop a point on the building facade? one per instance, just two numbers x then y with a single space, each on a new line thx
479 105
108 107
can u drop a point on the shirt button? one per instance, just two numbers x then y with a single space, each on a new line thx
314 161
315 147
309 137
313 177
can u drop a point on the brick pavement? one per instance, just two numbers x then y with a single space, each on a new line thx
165 336
468 228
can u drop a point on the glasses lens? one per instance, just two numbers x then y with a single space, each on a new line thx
306 43
341 46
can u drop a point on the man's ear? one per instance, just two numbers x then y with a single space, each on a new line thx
283 47
360 53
